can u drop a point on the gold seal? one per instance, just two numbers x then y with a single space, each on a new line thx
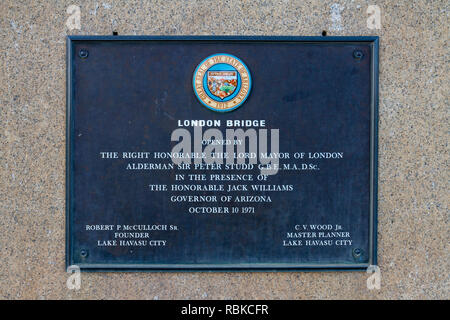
235 92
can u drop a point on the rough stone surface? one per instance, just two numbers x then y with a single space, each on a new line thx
413 145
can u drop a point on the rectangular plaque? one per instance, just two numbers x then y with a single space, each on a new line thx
221 153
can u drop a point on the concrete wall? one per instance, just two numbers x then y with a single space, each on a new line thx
413 144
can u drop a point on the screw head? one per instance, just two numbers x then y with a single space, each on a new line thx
359 255
358 54
83 53
83 253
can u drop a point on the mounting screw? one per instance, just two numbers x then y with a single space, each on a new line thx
84 253
358 54
83 53
359 255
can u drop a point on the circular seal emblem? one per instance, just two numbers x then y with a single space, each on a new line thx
222 82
